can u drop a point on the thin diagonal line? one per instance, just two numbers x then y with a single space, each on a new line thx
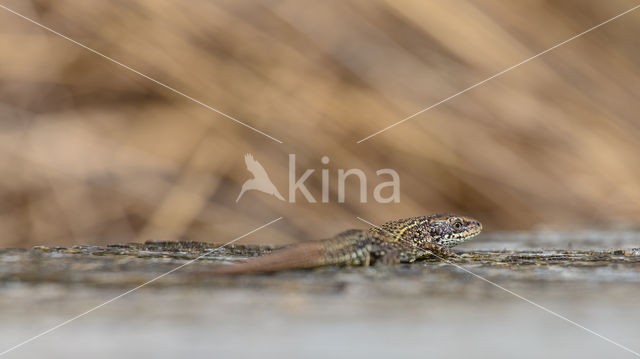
140 73
496 75
517 295
131 290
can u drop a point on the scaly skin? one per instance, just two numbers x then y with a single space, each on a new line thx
401 241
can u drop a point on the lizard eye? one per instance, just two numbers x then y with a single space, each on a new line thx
457 225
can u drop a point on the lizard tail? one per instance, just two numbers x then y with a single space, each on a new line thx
304 255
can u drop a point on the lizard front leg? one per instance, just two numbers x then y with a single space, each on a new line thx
389 258
438 250
392 254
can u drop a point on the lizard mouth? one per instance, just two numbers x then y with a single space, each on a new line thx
468 237
473 232
458 238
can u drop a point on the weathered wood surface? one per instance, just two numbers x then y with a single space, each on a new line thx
126 264
429 307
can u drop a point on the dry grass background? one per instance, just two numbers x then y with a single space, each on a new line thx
92 153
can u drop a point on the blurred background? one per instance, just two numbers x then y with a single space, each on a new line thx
91 153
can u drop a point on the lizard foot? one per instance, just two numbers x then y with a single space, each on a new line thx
388 259
440 251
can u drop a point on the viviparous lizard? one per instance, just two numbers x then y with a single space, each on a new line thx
399 241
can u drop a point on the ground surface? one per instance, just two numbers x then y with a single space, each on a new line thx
426 309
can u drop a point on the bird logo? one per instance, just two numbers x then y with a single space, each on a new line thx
260 180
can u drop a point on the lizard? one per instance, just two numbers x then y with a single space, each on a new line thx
399 241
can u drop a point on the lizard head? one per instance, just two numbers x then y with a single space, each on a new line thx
445 229
450 230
